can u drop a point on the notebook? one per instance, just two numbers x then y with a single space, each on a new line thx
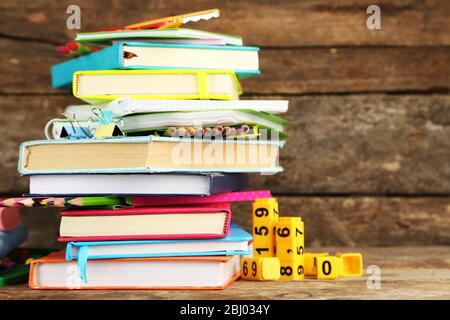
126 106
213 272
106 85
148 155
154 121
136 184
141 55
172 33
239 196
182 222
235 243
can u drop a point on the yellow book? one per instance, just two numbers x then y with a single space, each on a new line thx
107 85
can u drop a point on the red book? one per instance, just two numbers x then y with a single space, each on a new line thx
182 222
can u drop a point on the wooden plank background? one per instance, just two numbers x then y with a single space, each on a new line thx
368 160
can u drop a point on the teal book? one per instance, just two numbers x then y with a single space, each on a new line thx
149 154
154 56
237 242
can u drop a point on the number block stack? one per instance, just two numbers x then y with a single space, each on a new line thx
279 250
290 244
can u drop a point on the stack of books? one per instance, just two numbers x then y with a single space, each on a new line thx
165 128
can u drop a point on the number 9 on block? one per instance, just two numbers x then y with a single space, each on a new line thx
260 269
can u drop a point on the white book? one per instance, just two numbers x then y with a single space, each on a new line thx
128 106
136 184
154 121
54 272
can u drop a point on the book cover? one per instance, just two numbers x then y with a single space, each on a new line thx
113 57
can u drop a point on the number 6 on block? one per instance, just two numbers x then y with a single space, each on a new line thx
260 269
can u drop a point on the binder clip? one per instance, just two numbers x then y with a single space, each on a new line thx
72 132
106 128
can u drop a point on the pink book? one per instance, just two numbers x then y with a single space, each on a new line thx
183 222
227 197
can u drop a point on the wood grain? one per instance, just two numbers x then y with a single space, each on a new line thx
385 144
286 24
364 221
329 221
284 71
406 273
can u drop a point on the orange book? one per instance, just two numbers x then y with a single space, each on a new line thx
212 272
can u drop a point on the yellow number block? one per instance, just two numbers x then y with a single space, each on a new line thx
292 269
263 240
260 269
264 217
290 229
352 264
328 267
265 209
289 250
310 262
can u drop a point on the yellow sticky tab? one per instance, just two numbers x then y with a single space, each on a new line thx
260 269
107 130
310 262
292 269
352 264
290 229
328 267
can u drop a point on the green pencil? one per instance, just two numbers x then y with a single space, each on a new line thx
95 201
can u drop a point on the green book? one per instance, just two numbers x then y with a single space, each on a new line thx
170 33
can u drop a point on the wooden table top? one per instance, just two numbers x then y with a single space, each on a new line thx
406 273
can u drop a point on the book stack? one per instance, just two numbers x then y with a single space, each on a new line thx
164 127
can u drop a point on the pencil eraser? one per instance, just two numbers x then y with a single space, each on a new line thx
9 218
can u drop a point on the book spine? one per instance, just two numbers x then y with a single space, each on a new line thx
228 182
105 59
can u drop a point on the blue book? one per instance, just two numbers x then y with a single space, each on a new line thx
237 242
10 240
149 154
144 55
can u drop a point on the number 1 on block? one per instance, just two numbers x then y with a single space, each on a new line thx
264 218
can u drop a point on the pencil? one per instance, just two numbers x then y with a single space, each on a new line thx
54 202
30 202
12 202
95 201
